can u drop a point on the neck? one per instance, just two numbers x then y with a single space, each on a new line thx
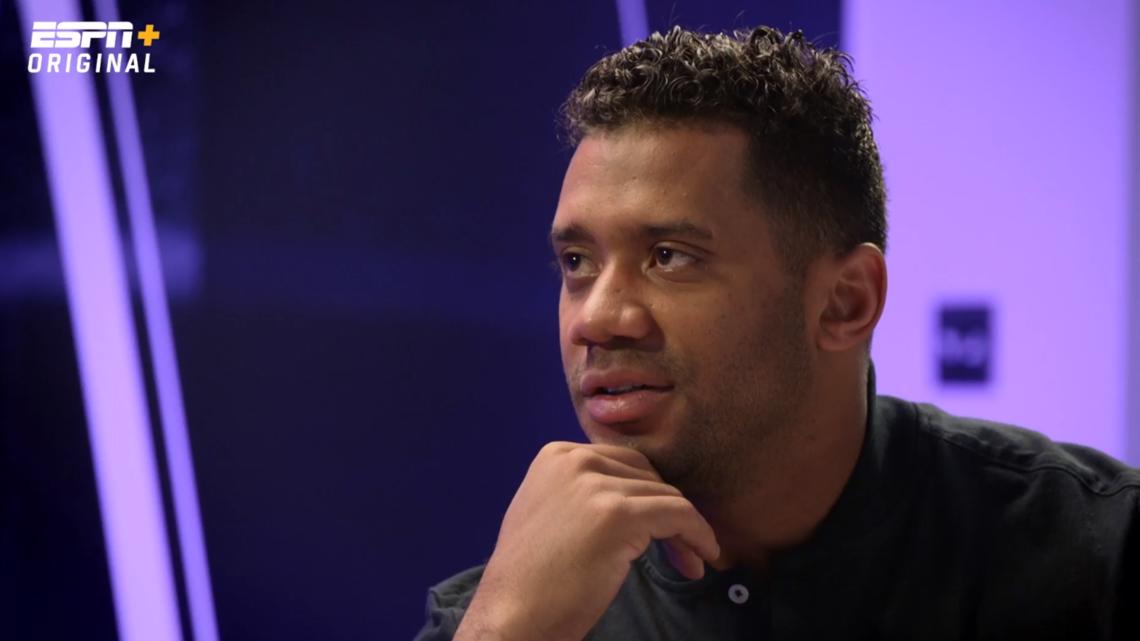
798 477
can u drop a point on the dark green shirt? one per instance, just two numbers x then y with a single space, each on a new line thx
949 528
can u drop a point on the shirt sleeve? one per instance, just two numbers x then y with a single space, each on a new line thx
442 621
446 603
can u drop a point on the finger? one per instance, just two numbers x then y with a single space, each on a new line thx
682 557
631 487
626 455
619 469
671 516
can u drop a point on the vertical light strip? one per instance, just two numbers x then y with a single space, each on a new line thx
156 312
631 18
1132 438
130 502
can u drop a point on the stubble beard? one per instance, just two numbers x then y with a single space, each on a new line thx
728 438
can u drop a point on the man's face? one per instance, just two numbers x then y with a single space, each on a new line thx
682 335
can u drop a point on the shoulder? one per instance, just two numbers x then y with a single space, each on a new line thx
993 449
1045 533
1008 482
446 603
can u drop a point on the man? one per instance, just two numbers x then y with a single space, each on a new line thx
720 234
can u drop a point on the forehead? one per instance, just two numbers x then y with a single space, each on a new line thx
646 174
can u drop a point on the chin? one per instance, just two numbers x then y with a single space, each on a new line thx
652 443
642 431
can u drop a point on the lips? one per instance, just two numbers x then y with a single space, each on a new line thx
623 396
619 381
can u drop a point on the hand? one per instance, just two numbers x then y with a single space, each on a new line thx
581 516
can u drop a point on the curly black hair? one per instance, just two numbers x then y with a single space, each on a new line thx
813 160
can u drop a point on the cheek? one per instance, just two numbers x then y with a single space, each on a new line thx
715 322
716 339
564 321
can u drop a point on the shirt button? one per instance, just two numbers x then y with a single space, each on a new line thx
738 594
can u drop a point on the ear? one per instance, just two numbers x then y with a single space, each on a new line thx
856 291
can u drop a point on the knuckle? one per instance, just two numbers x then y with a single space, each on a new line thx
580 458
551 449
592 484
678 505
545 462
610 507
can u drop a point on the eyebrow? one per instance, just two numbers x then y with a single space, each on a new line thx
575 233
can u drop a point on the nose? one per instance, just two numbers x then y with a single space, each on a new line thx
613 309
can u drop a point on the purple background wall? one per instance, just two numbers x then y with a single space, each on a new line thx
1005 130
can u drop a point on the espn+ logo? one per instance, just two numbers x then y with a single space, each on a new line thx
83 35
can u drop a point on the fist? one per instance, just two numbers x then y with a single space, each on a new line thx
581 516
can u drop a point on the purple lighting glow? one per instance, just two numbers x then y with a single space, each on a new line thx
152 286
632 21
1007 163
129 498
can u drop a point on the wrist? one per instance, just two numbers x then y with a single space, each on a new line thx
478 624
491 616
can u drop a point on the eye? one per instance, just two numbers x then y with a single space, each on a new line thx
672 259
571 261
574 264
